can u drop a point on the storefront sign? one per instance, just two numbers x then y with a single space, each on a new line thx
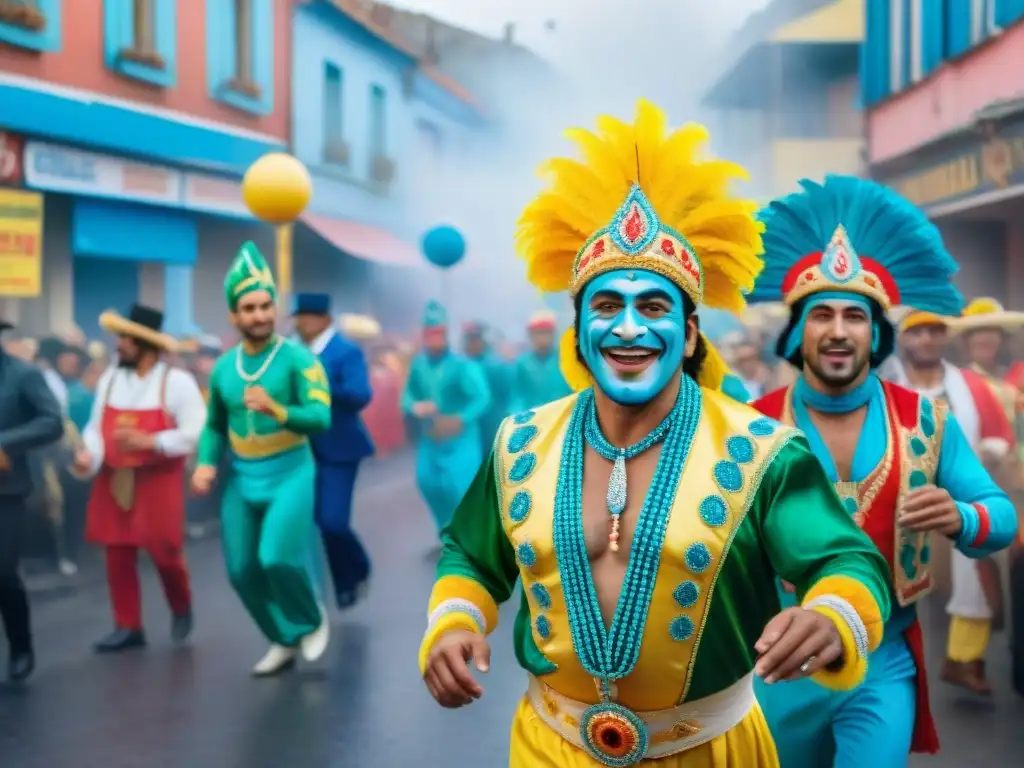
21 243
991 164
11 148
73 171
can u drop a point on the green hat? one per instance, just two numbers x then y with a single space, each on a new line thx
248 272
435 315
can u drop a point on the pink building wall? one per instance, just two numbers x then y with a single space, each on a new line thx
949 98
79 64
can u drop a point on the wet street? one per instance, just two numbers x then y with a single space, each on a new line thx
363 706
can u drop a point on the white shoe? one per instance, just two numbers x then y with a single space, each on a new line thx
315 643
277 659
67 568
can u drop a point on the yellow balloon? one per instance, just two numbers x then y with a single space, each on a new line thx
277 188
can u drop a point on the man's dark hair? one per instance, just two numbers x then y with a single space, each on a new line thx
691 364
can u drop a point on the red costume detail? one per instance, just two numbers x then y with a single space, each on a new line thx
903 407
156 520
984 525
868 265
634 227
992 420
667 247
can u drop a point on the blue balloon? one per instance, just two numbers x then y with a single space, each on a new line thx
444 246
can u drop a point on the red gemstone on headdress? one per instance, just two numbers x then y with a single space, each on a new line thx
598 249
808 276
667 247
634 226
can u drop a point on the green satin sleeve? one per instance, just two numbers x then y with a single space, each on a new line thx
808 534
474 542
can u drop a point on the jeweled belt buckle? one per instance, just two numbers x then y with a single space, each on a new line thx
613 735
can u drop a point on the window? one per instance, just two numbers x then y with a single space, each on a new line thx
896 46
916 23
378 121
240 53
140 39
243 42
32 24
335 148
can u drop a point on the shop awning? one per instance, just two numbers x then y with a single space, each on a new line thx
839 22
364 242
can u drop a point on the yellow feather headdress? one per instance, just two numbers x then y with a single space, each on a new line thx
642 198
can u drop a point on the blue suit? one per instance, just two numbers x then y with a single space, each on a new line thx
338 453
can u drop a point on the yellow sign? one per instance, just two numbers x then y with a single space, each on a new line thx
21 243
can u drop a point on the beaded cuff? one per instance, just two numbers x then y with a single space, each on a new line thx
848 614
456 605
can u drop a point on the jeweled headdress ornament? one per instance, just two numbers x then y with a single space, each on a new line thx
642 198
853 235
248 272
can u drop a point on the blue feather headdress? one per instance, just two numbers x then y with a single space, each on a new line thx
853 235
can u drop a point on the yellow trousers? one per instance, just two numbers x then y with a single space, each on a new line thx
968 639
748 745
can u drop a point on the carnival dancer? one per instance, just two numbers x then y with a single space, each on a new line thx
499 381
840 254
338 451
634 656
537 377
976 599
146 420
267 395
445 396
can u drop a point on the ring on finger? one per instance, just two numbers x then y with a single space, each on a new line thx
805 667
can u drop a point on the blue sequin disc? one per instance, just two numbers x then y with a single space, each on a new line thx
523 418
543 627
526 555
687 594
740 449
713 511
917 479
917 446
762 427
698 557
541 595
520 506
521 437
681 628
729 476
522 467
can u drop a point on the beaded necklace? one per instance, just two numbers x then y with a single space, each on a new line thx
616 496
611 654
250 379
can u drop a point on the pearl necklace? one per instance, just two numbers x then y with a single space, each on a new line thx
616 496
252 378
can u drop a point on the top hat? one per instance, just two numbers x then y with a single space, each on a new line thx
142 323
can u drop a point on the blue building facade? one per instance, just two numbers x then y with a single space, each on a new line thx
373 126
137 134
906 41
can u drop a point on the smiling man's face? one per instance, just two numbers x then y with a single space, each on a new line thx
633 334
837 342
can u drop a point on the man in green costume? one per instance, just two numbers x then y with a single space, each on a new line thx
266 396
537 377
499 380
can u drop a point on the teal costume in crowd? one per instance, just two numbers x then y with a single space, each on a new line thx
499 381
537 377
445 465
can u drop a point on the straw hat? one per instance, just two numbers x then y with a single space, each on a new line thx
987 313
143 323
359 327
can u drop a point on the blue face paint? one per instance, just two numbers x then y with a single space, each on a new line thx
796 336
618 311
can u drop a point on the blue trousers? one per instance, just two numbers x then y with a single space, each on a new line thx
347 559
444 472
815 727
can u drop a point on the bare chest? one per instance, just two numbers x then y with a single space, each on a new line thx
840 433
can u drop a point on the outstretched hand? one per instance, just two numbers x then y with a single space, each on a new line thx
796 643
448 677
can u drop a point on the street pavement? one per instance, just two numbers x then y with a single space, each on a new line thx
362 706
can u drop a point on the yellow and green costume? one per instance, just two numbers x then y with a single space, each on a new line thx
267 508
725 512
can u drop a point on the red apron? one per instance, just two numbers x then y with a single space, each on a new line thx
879 523
156 517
